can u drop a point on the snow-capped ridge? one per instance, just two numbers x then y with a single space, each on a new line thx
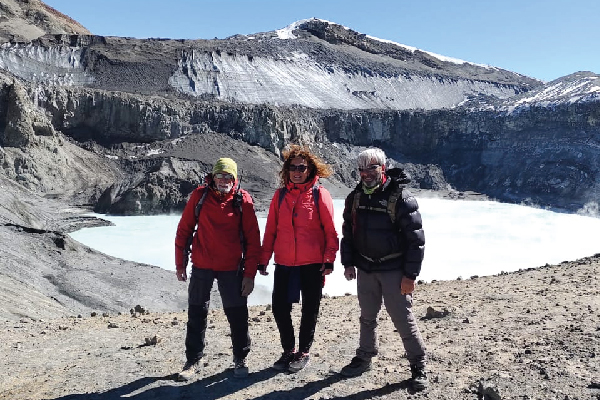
435 55
583 86
287 33
326 66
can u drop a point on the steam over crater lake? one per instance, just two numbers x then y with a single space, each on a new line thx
463 239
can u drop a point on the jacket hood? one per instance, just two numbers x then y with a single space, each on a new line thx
303 186
398 175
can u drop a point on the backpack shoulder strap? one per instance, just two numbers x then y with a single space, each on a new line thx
238 200
188 247
201 201
282 193
316 195
391 205
355 203
315 191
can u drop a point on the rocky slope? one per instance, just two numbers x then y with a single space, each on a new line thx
532 334
451 123
25 20
44 273
542 153
130 126
315 64
67 135
137 155
540 147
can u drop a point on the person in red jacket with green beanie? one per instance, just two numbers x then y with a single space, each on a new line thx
301 233
224 247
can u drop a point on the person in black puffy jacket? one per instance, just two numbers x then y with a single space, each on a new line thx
382 247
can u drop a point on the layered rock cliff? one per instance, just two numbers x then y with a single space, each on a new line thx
130 126
154 114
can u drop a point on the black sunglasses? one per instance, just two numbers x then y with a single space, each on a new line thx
369 168
300 168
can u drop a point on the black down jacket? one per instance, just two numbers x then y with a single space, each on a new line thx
371 241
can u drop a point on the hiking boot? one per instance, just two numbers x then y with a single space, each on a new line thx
240 370
188 371
284 361
419 379
300 361
356 367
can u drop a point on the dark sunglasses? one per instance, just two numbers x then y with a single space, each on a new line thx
369 168
229 177
299 168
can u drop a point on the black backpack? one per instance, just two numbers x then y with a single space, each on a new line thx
390 209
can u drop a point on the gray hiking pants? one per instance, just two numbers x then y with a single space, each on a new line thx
372 289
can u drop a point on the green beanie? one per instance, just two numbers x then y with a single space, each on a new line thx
226 165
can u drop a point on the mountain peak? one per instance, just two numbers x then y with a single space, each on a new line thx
335 33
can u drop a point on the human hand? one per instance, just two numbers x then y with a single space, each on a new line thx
262 269
350 273
181 275
407 285
247 286
327 268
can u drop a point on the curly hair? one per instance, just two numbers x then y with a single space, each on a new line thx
315 165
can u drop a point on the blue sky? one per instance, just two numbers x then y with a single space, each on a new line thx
543 39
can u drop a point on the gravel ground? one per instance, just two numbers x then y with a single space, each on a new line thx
531 334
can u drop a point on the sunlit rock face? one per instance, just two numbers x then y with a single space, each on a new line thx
57 65
304 81
139 106
322 65
312 63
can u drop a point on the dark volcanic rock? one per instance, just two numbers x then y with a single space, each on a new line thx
46 273
155 114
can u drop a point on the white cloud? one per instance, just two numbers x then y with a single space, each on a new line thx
463 238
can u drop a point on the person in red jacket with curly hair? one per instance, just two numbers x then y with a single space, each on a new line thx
301 233
225 247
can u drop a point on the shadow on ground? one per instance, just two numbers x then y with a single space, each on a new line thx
224 384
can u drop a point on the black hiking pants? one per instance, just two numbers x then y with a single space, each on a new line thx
234 305
288 282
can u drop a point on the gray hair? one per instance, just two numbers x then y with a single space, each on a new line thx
371 156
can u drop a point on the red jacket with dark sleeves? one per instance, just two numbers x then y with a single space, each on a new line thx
216 244
296 232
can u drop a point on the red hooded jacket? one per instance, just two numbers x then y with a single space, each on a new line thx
296 232
216 244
